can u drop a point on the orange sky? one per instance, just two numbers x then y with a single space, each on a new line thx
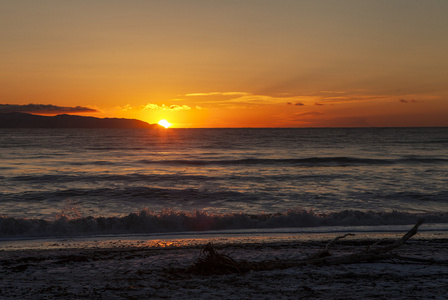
264 63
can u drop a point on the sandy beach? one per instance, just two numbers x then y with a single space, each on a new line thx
138 270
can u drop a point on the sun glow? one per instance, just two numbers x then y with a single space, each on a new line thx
164 123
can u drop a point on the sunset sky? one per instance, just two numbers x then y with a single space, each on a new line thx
229 63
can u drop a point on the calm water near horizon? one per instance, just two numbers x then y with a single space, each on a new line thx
82 181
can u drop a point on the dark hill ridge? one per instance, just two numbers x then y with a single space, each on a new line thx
23 120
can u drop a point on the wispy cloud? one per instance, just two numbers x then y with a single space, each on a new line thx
218 94
43 109
408 101
333 92
151 106
361 95
309 114
319 98
241 99
235 100
349 97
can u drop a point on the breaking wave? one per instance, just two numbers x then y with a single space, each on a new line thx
168 220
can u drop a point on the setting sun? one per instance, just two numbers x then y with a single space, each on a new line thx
164 123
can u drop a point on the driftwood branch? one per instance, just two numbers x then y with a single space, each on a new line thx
370 255
401 241
211 262
326 251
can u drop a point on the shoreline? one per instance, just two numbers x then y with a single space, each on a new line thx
183 239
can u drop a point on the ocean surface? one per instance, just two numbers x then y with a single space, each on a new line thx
66 182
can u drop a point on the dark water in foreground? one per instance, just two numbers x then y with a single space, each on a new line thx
72 181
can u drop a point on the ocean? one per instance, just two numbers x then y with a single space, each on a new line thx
87 182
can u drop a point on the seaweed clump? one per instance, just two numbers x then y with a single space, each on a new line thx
211 262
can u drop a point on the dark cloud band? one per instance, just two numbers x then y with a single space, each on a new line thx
43 109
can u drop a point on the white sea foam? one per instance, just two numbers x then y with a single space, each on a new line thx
146 222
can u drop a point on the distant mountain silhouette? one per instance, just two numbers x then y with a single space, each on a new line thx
23 120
